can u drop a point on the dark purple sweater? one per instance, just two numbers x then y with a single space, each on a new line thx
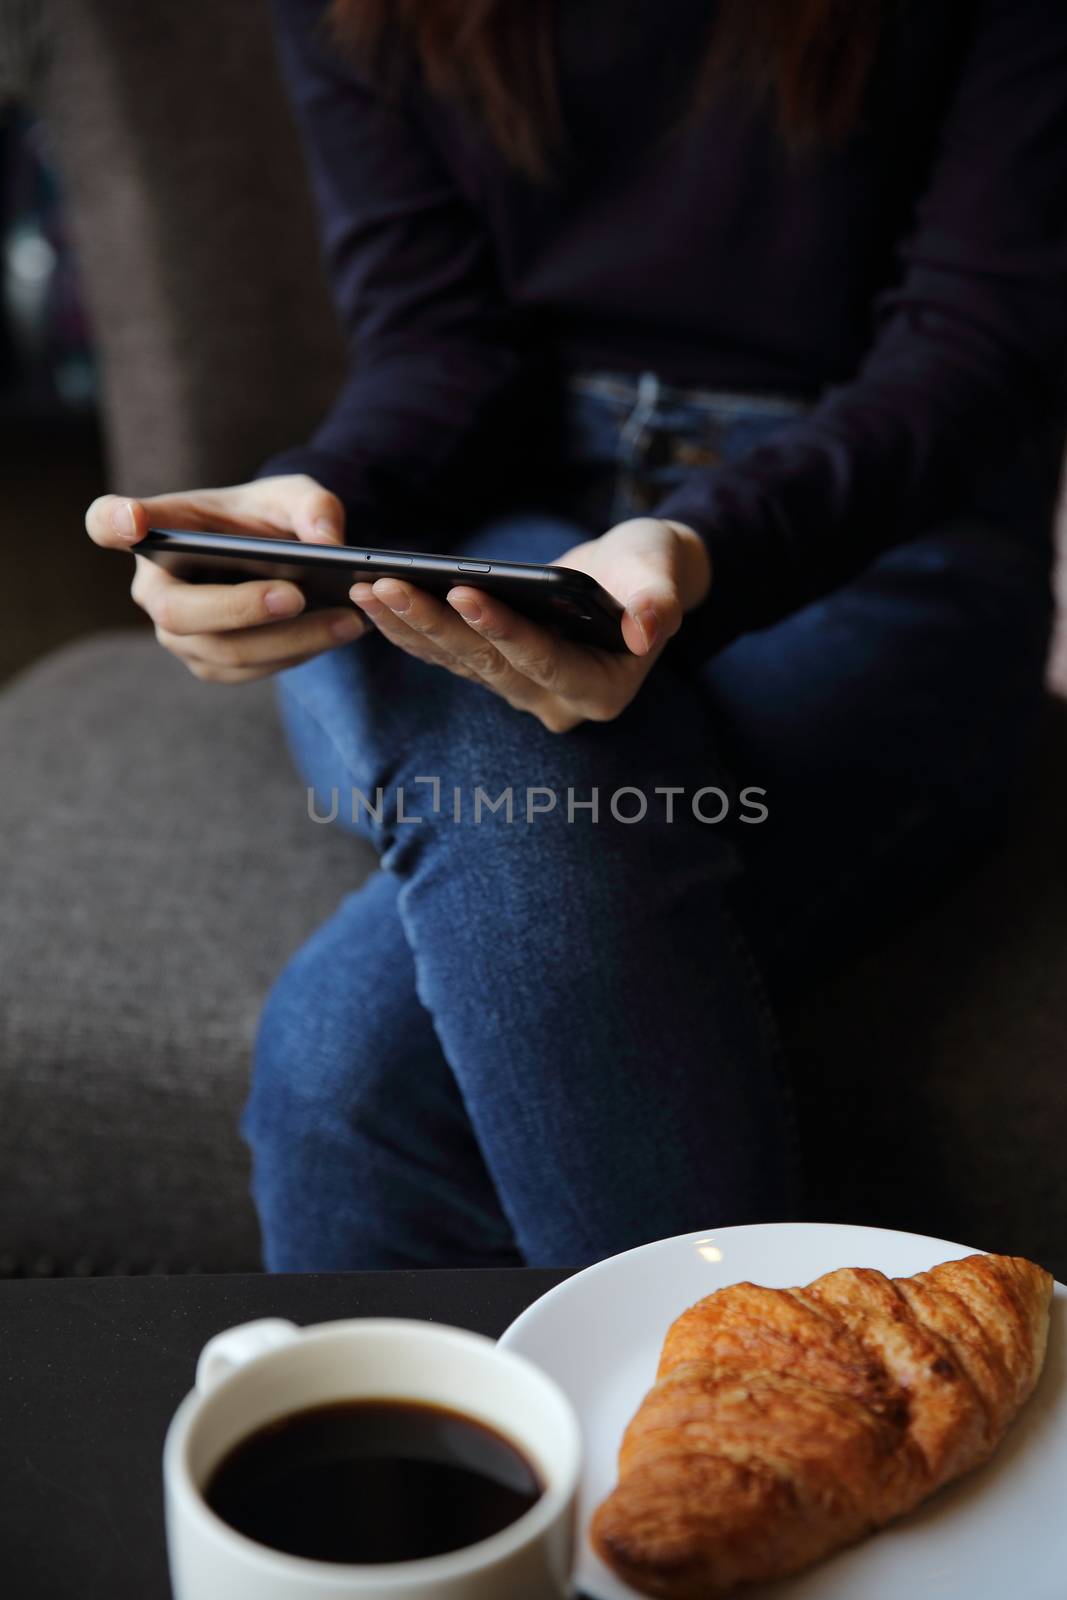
914 279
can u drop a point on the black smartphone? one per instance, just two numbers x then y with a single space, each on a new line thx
568 602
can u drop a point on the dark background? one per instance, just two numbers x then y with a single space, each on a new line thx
56 584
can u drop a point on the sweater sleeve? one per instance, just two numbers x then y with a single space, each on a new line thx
968 352
429 339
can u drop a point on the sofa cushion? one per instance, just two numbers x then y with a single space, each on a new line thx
933 1074
159 868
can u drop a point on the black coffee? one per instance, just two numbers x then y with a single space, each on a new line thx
372 1480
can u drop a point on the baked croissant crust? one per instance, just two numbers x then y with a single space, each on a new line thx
786 1423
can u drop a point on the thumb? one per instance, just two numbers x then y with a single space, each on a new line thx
116 522
653 603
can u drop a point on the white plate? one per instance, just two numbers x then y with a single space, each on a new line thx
998 1534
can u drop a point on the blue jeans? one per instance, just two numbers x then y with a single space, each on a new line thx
545 1038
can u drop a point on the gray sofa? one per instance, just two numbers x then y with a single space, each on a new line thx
158 864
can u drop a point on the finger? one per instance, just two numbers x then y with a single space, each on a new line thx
188 608
444 631
273 647
317 516
461 652
293 504
211 672
396 630
436 623
149 582
595 682
478 658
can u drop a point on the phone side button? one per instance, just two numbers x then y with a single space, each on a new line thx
475 566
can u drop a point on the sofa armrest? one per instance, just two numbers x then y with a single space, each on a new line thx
21 44
194 225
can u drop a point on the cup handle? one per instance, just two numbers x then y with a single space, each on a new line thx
229 1350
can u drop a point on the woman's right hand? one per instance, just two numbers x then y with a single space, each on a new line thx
232 632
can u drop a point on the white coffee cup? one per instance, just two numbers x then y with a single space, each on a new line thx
252 1374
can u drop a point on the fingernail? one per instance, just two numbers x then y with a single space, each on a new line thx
396 599
469 609
283 602
347 627
123 521
648 622
324 528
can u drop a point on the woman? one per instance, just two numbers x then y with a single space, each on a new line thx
755 311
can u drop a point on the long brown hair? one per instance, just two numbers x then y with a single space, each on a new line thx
811 59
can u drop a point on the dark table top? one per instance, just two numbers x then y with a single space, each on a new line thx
91 1371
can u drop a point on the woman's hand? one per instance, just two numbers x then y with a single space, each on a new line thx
232 632
658 570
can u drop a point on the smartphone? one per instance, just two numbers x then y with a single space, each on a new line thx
569 602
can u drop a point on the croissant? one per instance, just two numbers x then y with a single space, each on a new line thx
786 1423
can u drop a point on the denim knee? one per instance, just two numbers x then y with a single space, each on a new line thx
411 755
323 1042
286 1092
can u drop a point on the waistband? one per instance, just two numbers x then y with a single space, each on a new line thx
647 434
626 389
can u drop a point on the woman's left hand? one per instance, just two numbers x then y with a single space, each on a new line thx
657 570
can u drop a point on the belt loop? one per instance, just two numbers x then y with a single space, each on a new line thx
633 437
630 435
